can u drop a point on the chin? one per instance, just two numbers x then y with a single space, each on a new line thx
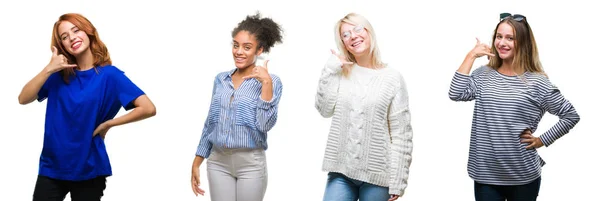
241 66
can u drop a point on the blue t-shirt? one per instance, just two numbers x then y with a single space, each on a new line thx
73 112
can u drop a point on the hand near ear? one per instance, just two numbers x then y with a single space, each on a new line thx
345 62
58 62
260 73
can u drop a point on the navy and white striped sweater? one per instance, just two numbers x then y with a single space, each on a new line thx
504 107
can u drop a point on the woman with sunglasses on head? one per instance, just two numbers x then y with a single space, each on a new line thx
511 95
369 147
85 92
243 109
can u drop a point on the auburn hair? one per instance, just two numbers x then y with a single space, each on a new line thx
97 47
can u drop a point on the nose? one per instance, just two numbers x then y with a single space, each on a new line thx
238 51
353 35
72 36
502 42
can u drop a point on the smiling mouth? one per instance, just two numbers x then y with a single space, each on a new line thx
356 43
76 45
239 59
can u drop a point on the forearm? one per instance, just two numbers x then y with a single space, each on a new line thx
329 83
137 114
465 67
267 90
29 92
401 153
197 162
562 127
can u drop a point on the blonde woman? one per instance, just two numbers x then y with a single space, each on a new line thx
369 147
511 95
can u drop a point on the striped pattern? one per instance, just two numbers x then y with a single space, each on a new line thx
370 138
242 121
504 107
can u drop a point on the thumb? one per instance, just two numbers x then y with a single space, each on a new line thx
265 65
333 52
477 40
54 51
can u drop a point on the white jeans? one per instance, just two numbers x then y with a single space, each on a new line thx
237 174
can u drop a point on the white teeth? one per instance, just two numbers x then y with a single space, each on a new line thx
357 43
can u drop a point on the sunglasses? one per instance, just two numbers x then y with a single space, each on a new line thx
516 17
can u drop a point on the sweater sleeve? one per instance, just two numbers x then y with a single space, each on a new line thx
462 87
329 83
556 104
401 136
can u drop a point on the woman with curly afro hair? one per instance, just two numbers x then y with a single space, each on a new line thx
243 109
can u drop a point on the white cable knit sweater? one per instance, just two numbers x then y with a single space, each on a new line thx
370 138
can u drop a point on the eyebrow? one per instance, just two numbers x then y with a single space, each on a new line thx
247 43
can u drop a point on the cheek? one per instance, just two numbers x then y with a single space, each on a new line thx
65 44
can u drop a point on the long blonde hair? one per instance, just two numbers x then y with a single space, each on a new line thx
356 19
526 57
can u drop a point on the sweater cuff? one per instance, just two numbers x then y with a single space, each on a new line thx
396 191
545 140
334 64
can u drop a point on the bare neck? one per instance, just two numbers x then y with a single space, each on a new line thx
85 60
364 60
507 67
244 71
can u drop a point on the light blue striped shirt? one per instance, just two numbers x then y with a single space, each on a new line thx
238 118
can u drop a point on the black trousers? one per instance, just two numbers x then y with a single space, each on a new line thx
48 189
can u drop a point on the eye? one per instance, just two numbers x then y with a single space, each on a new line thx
345 34
235 46
247 48
358 29
510 38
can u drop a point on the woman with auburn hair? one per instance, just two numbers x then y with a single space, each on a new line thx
243 109
85 92
369 148
511 95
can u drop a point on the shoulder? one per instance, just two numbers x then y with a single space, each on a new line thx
395 75
540 81
481 70
110 70
222 75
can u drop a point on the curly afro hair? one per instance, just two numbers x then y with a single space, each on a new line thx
266 31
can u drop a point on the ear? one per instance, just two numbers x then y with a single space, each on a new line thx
259 51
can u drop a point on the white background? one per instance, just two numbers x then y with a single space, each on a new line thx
173 49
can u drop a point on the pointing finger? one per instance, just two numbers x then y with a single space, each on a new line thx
477 40
265 64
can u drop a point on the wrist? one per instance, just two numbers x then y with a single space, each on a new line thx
47 70
471 56
266 81
110 123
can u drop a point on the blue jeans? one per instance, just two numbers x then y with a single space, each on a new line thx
526 192
342 188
